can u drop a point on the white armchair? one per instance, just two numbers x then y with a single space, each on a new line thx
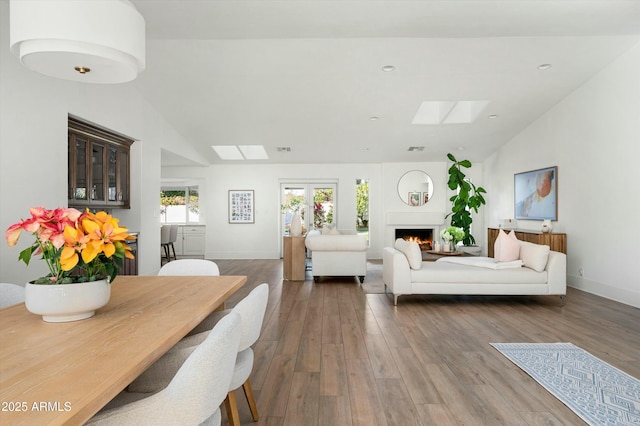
340 254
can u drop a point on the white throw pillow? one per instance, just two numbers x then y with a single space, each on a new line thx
534 256
506 247
412 252
334 231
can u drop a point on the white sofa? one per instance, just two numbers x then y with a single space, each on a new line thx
546 276
338 253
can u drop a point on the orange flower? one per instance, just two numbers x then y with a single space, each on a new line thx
74 241
103 232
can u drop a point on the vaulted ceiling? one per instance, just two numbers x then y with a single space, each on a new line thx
309 75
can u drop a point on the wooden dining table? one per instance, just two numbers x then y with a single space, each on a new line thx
64 373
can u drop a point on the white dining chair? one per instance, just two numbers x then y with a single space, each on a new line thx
11 294
198 380
190 267
252 310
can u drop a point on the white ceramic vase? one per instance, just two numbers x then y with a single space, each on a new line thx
67 302
296 225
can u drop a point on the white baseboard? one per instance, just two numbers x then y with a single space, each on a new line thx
242 255
600 289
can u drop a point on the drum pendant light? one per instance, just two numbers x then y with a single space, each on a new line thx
97 41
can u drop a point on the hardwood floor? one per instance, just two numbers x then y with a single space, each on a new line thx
329 354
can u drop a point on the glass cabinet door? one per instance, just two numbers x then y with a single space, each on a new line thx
78 173
123 177
112 168
98 169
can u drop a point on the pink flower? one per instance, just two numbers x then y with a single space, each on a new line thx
47 225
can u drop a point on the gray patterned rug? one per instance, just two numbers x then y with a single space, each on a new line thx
596 391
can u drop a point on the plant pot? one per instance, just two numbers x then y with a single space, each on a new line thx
67 302
296 225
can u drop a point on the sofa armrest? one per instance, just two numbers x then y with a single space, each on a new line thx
557 273
396 273
336 243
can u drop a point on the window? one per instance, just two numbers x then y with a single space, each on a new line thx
362 206
179 205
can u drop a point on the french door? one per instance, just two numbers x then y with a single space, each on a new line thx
315 202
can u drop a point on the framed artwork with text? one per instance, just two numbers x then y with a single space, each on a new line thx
241 206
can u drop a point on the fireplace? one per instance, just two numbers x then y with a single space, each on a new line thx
424 237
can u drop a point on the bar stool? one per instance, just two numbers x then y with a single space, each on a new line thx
173 237
165 234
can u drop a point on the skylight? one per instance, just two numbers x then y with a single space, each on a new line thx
240 152
448 112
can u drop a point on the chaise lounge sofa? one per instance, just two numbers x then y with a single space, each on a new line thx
337 253
539 271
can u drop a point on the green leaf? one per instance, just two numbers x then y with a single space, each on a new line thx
465 163
452 158
25 255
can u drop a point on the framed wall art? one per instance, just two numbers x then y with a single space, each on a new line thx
536 194
241 206
414 198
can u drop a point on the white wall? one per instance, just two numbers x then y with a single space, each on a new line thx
33 151
262 239
593 136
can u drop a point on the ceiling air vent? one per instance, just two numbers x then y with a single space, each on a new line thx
283 149
416 148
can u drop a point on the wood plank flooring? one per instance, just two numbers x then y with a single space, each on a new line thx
329 354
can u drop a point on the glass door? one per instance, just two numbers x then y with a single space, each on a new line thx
314 202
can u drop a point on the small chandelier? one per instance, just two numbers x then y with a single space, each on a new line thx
97 41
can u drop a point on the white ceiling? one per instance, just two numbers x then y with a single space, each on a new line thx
307 74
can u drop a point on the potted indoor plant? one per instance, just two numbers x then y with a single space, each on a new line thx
451 235
468 197
83 252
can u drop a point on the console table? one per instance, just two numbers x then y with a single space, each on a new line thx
557 241
293 261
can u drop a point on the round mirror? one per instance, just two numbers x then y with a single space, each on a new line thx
415 188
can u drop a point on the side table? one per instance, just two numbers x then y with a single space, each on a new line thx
293 261
432 255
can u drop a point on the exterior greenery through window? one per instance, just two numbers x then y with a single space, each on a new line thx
179 205
322 207
362 206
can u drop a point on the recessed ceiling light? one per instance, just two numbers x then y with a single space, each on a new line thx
388 68
544 66
492 116
374 118
461 148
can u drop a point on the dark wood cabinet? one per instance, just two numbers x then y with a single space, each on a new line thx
557 242
98 167
130 266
